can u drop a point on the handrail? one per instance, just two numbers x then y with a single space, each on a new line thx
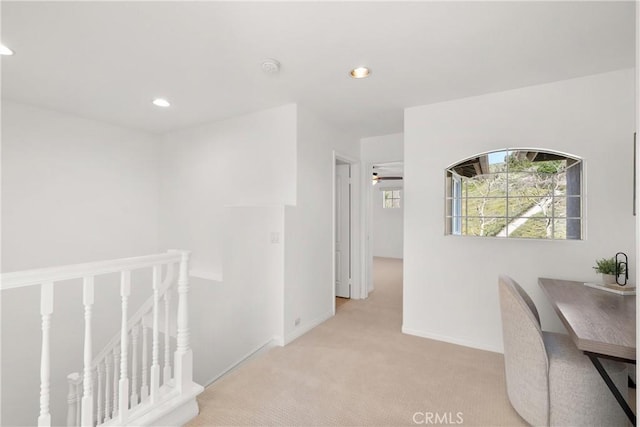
38 276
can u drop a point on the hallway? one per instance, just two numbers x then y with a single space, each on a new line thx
357 368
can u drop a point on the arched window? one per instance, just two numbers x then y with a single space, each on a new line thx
523 193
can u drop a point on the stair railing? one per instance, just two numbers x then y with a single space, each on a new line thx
118 396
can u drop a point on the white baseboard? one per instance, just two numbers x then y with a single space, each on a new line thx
306 327
451 340
248 356
278 340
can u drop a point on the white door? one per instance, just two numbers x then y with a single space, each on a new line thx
343 231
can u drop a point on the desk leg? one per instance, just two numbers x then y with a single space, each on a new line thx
616 393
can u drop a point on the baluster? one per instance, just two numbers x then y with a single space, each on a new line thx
155 366
87 396
135 331
183 356
166 375
46 309
123 404
100 399
78 386
108 364
144 391
116 365
73 399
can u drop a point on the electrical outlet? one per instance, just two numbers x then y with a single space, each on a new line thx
297 322
275 237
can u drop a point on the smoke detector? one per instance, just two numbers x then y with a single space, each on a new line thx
270 66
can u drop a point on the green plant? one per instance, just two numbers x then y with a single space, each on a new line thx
608 266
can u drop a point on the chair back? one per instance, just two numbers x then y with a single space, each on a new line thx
525 357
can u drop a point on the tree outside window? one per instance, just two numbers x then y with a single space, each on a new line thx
515 193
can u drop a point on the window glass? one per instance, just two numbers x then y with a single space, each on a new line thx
521 193
391 198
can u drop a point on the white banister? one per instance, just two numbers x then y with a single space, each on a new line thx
155 366
72 402
46 309
144 391
87 396
108 364
123 404
79 405
142 311
183 356
100 394
38 276
73 399
116 367
108 390
135 332
166 375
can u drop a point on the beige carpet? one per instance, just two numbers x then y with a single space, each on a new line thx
359 369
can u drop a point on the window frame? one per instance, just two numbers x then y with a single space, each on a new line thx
454 199
392 198
456 206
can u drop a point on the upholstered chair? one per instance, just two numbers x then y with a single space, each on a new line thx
549 381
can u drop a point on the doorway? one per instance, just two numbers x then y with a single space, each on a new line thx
346 283
387 206
383 217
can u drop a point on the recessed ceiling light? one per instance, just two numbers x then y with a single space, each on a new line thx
5 50
161 102
360 73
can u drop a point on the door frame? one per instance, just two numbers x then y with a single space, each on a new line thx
354 204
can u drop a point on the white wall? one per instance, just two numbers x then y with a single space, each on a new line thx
387 229
244 161
282 160
382 149
450 282
231 319
73 190
223 190
309 280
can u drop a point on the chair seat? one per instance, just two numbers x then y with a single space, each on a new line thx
577 393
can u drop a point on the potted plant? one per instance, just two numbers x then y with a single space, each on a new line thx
609 270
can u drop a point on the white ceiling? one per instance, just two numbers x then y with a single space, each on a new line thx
108 60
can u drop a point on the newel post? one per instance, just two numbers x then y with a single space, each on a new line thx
183 370
125 291
46 308
87 386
